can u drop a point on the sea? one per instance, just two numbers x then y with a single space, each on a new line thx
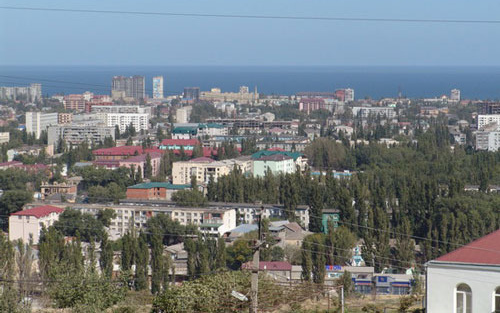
374 82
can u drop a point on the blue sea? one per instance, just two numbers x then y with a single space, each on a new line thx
375 82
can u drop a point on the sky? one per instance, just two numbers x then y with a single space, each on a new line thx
55 38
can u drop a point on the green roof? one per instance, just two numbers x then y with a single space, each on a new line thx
185 130
211 125
259 154
159 185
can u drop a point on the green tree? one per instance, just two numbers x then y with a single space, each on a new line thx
141 264
106 257
148 168
239 253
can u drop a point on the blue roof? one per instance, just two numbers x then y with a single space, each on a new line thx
245 228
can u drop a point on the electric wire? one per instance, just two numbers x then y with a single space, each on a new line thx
259 17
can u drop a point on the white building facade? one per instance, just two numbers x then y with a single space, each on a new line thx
486 119
36 122
140 121
27 224
466 280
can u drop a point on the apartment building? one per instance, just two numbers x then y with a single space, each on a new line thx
75 102
486 119
365 112
31 93
128 87
158 87
203 168
488 140
27 224
211 221
36 122
64 118
140 121
75 134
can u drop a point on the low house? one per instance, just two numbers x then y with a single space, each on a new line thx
27 224
467 279
289 233
154 191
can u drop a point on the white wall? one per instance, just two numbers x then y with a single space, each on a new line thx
442 280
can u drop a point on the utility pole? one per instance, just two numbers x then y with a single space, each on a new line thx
255 268
342 298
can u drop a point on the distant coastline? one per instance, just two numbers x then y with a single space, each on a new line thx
475 82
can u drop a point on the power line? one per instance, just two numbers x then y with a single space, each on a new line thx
260 17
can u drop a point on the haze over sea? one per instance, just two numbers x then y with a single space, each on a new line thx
367 81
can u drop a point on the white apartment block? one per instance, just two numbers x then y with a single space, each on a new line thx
365 112
36 122
486 119
248 213
455 95
349 95
140 121
27 224
183 114
211 221
202 168
486 140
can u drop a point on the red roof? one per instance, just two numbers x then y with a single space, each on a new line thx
180 142
123 150
269 266
485 250
39 211
202 159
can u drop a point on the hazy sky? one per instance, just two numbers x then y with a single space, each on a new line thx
52 38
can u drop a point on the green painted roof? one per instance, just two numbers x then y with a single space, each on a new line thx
159 185
185 130
259 154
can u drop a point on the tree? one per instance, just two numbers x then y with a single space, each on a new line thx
141 264
306 261
12 201
148 168
316 201
190 198
239 253
74 223
405 248
220 258
106 257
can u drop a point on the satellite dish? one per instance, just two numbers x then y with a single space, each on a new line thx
239 295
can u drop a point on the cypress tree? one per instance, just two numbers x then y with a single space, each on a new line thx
220 261
306 260
141 264
157 262
106 257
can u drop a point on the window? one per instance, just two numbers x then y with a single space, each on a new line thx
464 299
497 300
